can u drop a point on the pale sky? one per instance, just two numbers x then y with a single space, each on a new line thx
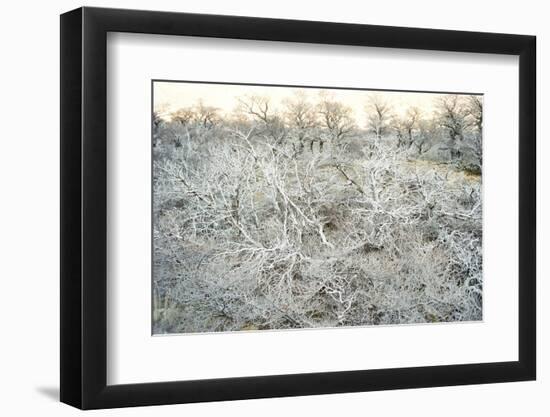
171 96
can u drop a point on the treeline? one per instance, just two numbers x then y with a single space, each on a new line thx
452 130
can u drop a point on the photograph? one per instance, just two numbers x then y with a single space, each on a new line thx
288 207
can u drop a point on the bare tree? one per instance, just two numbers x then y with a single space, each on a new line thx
453 117
379 115
183 116
475 142
259 109
428 135
206 116
336 118
301 116
475 110
404 126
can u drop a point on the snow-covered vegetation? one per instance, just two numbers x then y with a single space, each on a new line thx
298 216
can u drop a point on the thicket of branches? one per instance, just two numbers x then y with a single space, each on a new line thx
298 217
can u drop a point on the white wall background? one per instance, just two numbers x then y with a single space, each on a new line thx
29 226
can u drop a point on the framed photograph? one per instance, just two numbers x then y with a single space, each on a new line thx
256 208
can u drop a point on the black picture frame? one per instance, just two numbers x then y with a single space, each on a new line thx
84 207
